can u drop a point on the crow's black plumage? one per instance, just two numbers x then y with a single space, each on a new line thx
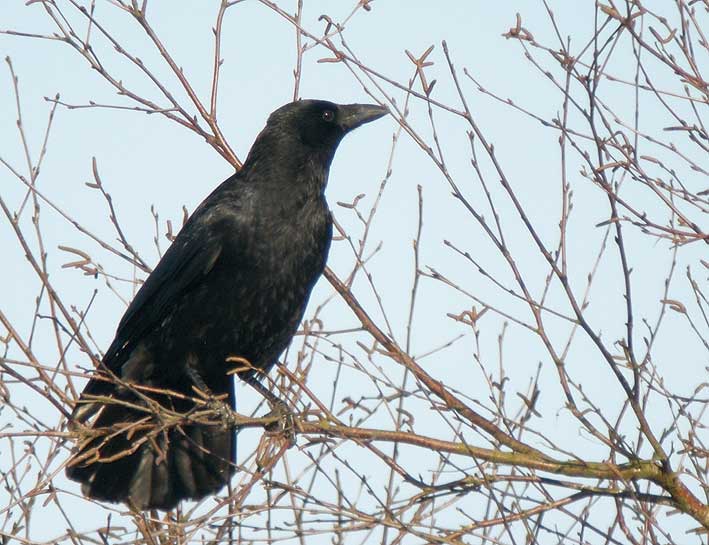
234 283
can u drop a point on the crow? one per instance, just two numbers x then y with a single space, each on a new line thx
233 286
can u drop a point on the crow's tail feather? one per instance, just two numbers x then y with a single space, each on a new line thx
129 456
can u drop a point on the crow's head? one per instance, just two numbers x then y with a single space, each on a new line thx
310 128
322 124
300 139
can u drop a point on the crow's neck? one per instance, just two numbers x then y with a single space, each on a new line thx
289 165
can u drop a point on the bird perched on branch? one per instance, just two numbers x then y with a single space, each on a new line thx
233 285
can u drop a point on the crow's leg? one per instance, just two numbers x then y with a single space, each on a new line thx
213 402
272 398
279 408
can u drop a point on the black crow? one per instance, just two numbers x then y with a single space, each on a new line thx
233 284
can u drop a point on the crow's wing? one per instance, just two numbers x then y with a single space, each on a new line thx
188 260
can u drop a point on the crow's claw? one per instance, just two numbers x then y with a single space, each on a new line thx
222 410
285 425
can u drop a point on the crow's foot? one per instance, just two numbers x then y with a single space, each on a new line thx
285 425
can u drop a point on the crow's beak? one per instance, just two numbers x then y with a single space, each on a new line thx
354 115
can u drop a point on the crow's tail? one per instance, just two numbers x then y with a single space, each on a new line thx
134 456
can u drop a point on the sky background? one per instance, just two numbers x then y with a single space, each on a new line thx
147 160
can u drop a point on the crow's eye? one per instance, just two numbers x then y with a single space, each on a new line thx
328 115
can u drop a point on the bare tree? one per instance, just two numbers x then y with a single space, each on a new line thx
543 380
